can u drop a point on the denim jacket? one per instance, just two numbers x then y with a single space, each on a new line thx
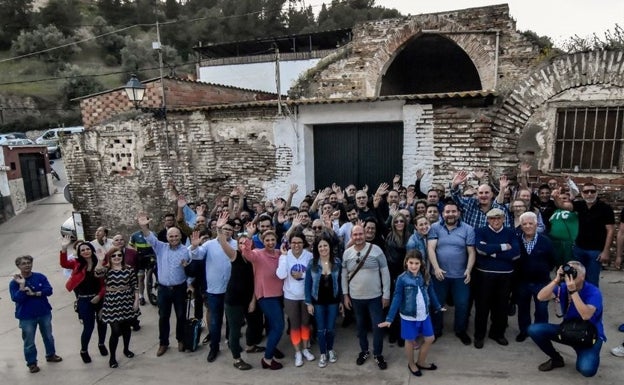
404 298
313 279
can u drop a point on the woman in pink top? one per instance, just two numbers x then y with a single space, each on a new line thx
268 289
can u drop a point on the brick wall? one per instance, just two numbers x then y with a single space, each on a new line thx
101 107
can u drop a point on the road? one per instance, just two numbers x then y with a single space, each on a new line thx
36 232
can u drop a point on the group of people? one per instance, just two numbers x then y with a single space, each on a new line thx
391 259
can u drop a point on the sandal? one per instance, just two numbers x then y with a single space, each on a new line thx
256 349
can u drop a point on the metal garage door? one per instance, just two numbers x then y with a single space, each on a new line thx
359 153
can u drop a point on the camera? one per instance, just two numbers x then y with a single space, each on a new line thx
568 270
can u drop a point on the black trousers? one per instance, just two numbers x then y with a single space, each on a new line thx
491 297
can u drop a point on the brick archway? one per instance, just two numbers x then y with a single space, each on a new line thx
563 73
470 43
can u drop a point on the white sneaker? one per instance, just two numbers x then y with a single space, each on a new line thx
308 355
298 359
618 351
322 361
332 356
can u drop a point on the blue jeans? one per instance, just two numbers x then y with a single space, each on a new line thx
589 259
216 304
168 296
87 312
373 309
525 292
325 316
272 309
587 360
461 299
29 328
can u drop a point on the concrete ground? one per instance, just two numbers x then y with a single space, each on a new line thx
36 232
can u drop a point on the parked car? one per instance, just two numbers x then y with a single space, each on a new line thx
51 137
18 142
12 136
68 228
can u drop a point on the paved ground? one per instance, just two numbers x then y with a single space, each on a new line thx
36 232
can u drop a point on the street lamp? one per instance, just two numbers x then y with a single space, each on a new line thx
135 90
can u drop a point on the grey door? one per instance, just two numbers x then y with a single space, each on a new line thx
359 153
34 176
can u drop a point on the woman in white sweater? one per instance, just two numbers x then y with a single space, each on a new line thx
292 269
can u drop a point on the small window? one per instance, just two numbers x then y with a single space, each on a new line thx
589 139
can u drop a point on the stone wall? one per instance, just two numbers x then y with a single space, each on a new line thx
209 153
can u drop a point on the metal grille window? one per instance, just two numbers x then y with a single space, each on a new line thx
589 139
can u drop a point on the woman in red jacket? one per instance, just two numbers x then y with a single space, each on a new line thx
89 291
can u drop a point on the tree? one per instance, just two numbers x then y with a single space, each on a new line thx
15 15
77 85
62 14
138 57
612 40
172 9
112 43
44 38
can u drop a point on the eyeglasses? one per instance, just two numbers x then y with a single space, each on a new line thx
399 221
360 197
237 224
117 255
589 191
317 227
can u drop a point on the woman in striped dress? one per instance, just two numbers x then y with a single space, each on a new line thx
121 302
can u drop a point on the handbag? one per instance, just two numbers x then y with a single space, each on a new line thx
576 332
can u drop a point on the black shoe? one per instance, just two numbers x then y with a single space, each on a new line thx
511 310
381 363
128 353
86 358
401 343
136 326
103 350
142 301
362 357
278 354
521 337
113 364
478 343
464 338
416 372
212 355
501 340
551 364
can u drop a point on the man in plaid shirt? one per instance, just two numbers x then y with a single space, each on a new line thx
474 209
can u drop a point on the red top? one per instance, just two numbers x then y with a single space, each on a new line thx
266 282
78 274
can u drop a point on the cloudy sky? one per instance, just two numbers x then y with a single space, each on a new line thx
558 19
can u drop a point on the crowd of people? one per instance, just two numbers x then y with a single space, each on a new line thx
391 259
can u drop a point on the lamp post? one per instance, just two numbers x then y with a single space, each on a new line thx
135 90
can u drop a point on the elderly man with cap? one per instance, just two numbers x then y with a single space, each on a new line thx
497 247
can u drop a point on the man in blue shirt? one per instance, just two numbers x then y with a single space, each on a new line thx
218 271
171 257
451 252
578 299
30 292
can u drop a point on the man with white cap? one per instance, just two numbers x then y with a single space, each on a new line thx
497 247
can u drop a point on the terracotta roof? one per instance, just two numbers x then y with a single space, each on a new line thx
298 102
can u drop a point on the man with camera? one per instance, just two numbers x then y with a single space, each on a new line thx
582 329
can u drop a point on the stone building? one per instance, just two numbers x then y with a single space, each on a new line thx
441 92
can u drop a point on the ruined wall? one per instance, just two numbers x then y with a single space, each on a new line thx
118 169
356 69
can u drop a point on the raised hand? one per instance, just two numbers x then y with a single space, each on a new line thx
251 228
396 179
293 189
479 174
199 210
241 190
503 182
222 219
459 178
419 174
181 201
281 217
525 168
65 242
365 188
143 220
195 239
382 189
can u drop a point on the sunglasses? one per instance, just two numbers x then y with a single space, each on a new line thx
117 255
357 260
399 221
589 191
317 227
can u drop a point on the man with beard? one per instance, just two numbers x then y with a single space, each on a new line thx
451 251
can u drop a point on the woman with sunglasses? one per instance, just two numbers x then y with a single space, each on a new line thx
396 243
89 290
121 302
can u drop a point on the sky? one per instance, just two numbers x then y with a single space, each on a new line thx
557 19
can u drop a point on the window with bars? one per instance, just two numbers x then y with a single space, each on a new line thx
589 139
